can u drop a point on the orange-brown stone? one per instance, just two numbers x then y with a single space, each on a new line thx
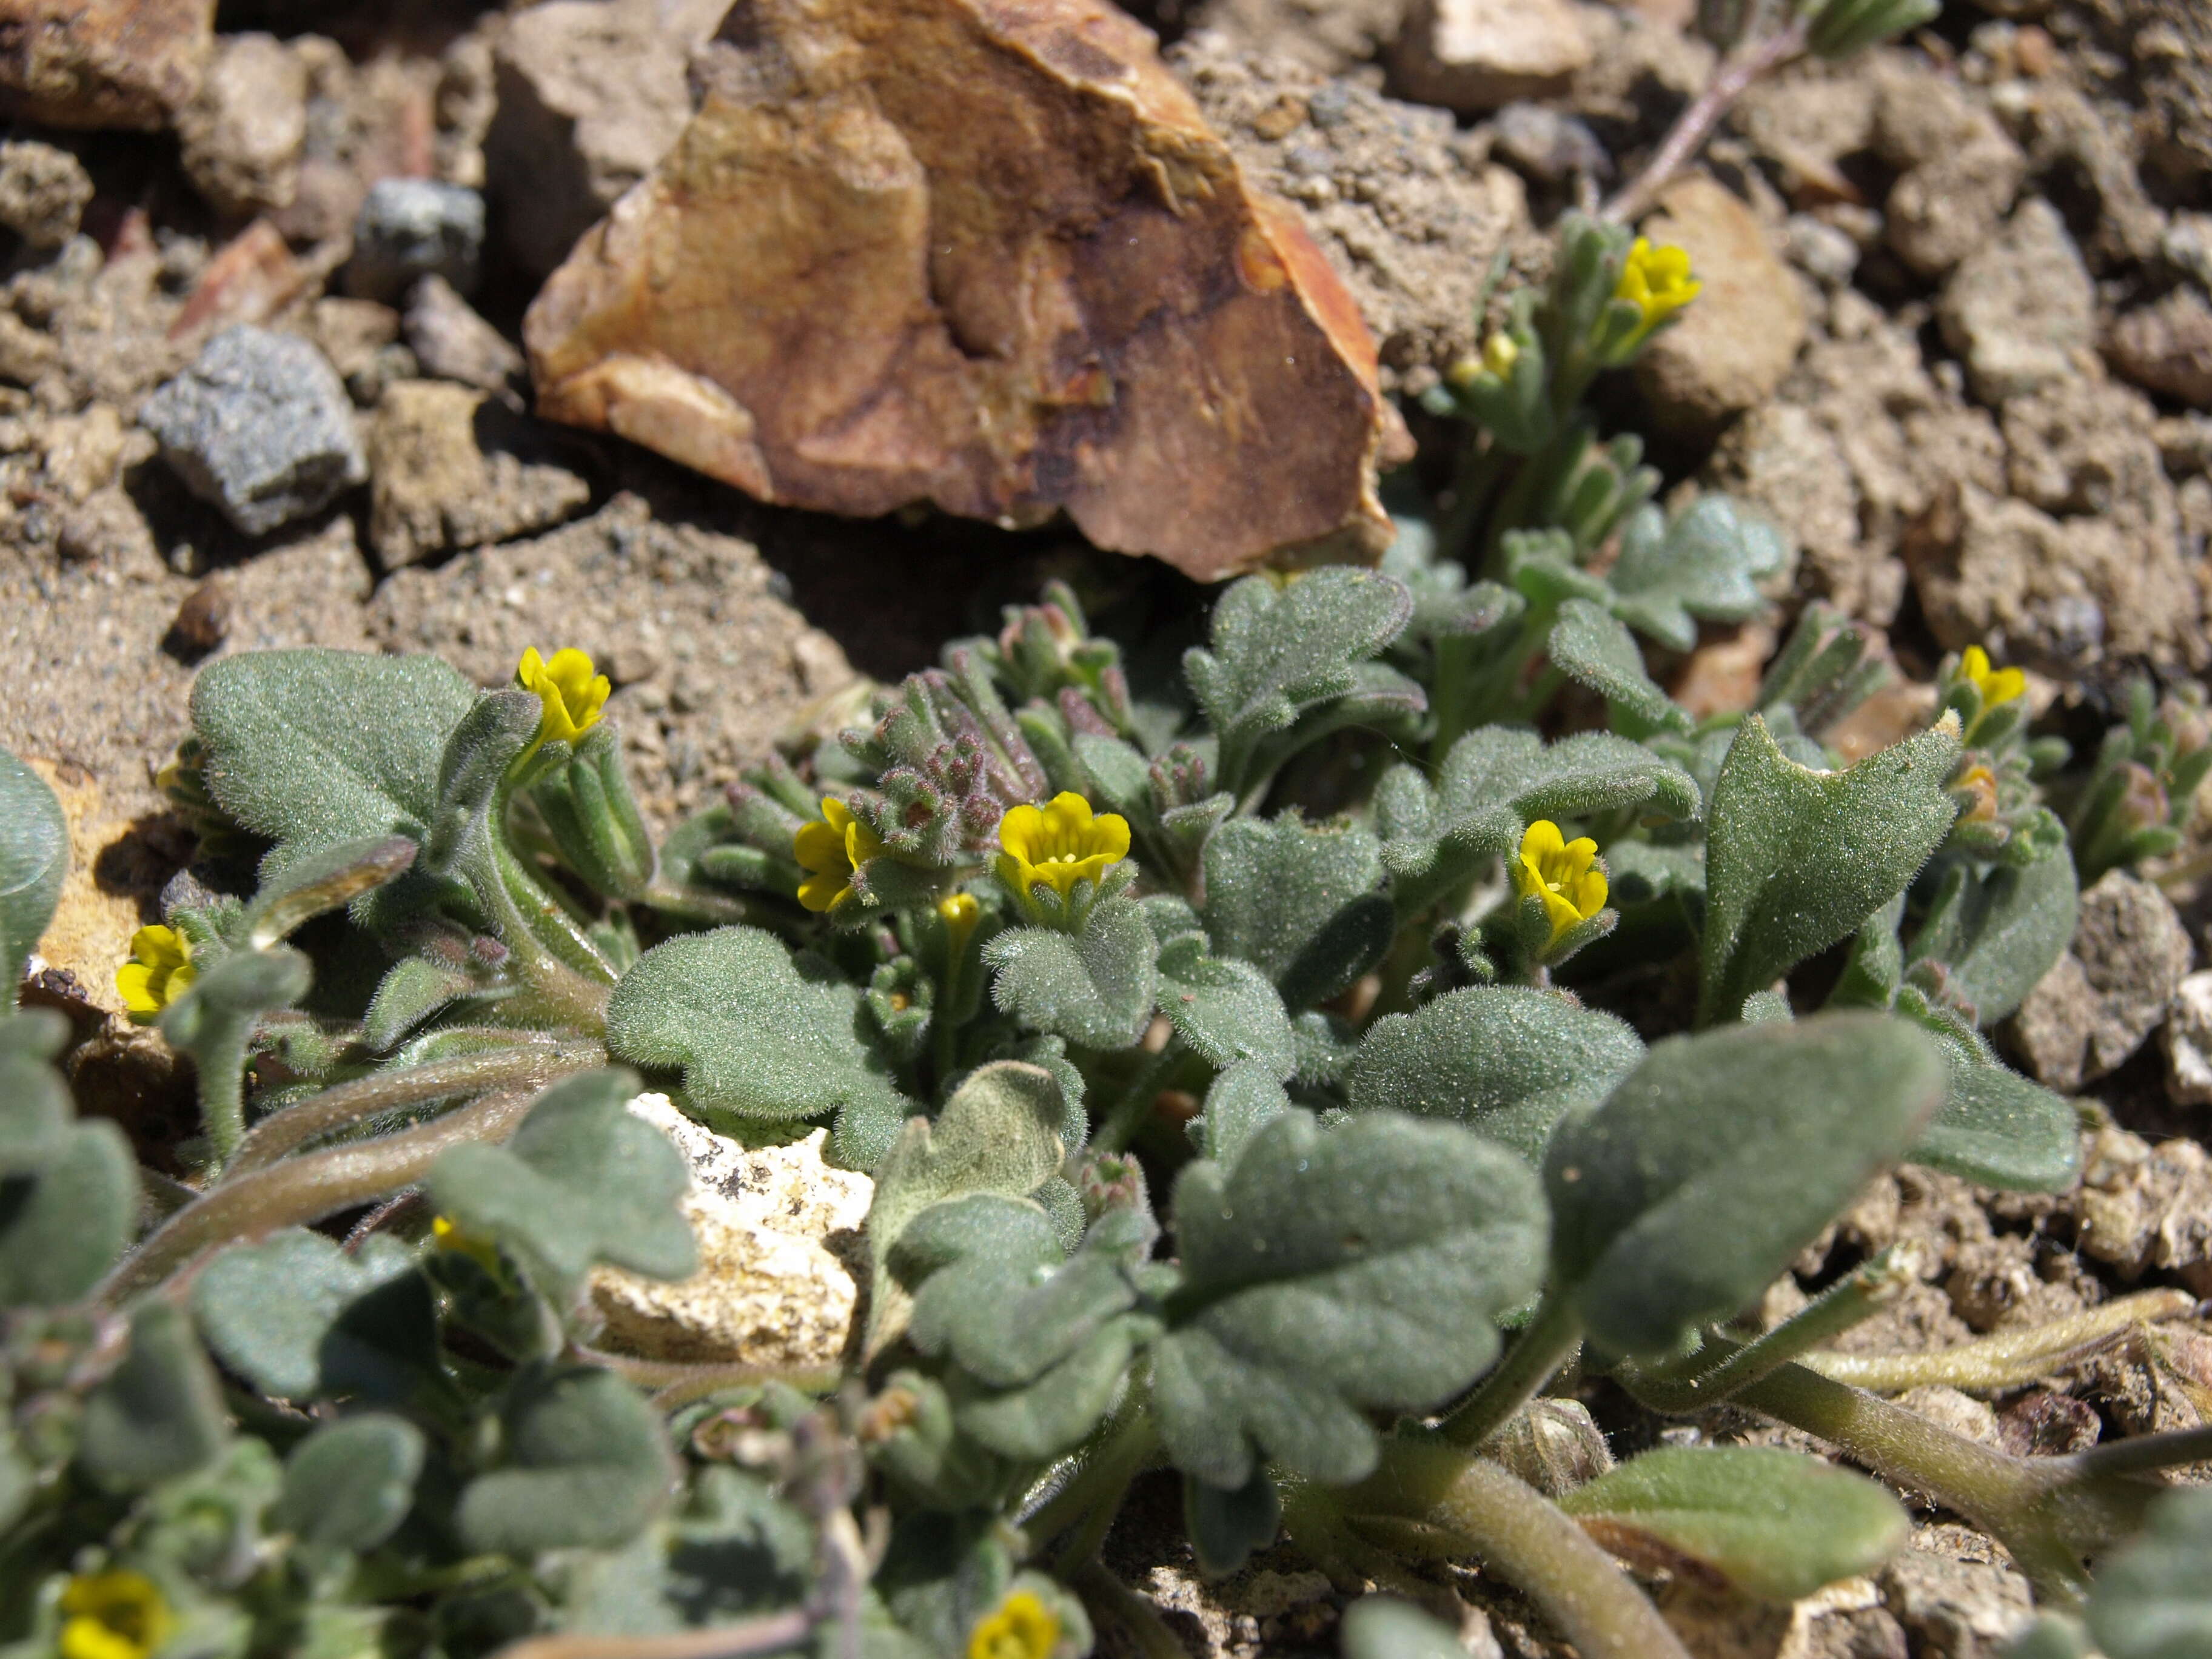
984 254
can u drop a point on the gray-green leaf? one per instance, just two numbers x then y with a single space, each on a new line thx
159 1414
2154 1599
300 1319
34 859
1299 902
1225 1009
1998 1129
350 1484
1592 649
1096 987
1707 564
584 1464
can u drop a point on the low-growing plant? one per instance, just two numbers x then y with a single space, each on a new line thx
1298 1153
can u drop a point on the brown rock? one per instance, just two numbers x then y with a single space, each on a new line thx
1330 36
452 342
201 620
2020 310
2112 990
1732 347
43 192
2167 347
241 137
441 477
1474 56
252 278
1960 170
2047 1424
1008 271
590 95
91 64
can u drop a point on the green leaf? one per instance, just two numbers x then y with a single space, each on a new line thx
1776 1524
1225 1009
1383 1627
34 855
1797 858
63 1227
1502 768
1678 1200
1998 1129
1096 987
1280 648
1706 565
35 1108
585 1463
2154 1599
1330 1274
1000 1134
1225 1528
313 748
583 1181
157 1414
1592 649
759 1033
1999 931
301 1318
1507 1061
350 1484
1241 1101
1299 902
320 881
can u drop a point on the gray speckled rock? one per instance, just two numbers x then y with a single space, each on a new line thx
411 227
261 425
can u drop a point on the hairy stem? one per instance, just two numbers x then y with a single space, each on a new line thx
530 1064
676 1384
305 1189
1547 1342
1127 1116
2011 1359
779 1633
1102 1593
1541 1552
1744 65
2141 1456
1118 1455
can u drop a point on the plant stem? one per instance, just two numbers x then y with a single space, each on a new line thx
2140 1455
1139 1619
1127 1114
778 1633
1552 1560
1119 1455
301 1190
1744 65
1106 1483
530 1064
2009 1358
1547 1342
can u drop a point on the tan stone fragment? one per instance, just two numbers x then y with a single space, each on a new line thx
980 254
769 1291
102 63
1474 56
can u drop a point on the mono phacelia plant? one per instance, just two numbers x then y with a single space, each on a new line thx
1239 1057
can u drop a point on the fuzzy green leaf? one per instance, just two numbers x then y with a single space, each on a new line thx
312 748
758 1033
1277 650
1226 1527
35 1108
62 1227
1706 565
1330 1274
1242 1102
1998 931
1592 649
1299 902
2154 1599
1096 987
1502 767
1225 1009
583 1181
159 1414
1383 1627
350 1484
1678 1200
1998 1129
301 1318
1776 1524
1797 858
585 1463
1506 1062
1000 1133
34 859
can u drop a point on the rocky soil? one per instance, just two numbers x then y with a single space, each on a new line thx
263 269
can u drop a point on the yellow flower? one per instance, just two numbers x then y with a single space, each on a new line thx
1563 873
158 972
959 915
1976 786
1022 1627
1499 353
1996 685
572 693
449 1235
117 1614
1060 844
829 850
1657 280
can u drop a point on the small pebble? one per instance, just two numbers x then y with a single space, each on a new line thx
201 620
411 227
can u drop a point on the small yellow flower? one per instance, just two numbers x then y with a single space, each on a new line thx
1060 844
449 1235
1977 787
1996 685
1021 1627
1499 353
1563 873
158 972
117 1614
571 692
959 913
829 850
1657 280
